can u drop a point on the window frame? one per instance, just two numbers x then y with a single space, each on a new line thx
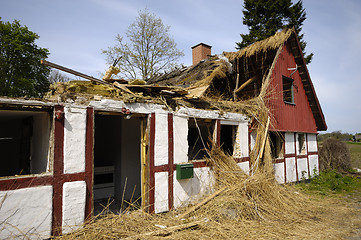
291 95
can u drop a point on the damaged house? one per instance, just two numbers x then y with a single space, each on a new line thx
65 156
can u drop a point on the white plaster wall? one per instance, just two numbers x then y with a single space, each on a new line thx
74 139
302 168
26 213
161 139
244 166
313 161
312 142
241 143
180 130
253 139
291 170
279 169
187 190
40 147
289 143
74 197
161 192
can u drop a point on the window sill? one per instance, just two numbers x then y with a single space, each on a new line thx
290 103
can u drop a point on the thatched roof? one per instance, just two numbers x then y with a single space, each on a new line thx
215 76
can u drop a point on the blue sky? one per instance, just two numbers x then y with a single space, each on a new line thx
75 32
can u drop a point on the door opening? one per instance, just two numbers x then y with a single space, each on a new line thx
117 163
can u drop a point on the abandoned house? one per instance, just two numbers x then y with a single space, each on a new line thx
66 155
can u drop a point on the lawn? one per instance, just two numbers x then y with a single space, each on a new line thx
355 151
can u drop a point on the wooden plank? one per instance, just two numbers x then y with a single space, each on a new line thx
122 87
166 231
204 201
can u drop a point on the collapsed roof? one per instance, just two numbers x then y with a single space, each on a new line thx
220 78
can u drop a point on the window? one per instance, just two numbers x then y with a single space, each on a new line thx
24 142
200 138
228 136
277 145
301 143
288 96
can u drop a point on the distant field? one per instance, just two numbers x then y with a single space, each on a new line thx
355 151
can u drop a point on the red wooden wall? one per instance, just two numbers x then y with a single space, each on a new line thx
287 117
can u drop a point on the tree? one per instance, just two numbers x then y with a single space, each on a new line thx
21 73
148 51
55 76
265 17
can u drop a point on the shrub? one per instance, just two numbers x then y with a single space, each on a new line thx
334 154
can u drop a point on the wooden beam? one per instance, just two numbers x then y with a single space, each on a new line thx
71 71
245 84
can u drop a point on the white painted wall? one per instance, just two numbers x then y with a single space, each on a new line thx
187 190
161 139
74 197
291 170
74 139
241 143
244 166
40 143
302 168
180 130
253 139
289 143
279 169
313 161
312 142
26 213
161 192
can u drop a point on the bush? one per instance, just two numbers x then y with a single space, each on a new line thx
334 154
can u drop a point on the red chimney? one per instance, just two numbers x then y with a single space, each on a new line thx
200 52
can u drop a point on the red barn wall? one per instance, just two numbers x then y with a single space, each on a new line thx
287 117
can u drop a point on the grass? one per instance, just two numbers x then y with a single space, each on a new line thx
355 152
331 182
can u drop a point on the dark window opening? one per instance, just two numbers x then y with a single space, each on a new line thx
228 136
277 145
301 144
288 95
24 142
200 138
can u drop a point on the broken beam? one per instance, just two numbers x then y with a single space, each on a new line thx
244 85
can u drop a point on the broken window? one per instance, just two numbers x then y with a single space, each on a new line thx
24 142
200 138
228 136
288 96
301 144
277 145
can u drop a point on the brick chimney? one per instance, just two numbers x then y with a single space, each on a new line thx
200 52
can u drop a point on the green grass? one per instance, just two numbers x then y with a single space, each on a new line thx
355 152
331 182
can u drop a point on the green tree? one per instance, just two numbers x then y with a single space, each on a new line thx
21 73
265 17
148 51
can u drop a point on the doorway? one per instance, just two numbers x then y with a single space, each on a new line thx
117 163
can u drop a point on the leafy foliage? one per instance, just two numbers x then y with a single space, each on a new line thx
265 17
21 73
148 51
